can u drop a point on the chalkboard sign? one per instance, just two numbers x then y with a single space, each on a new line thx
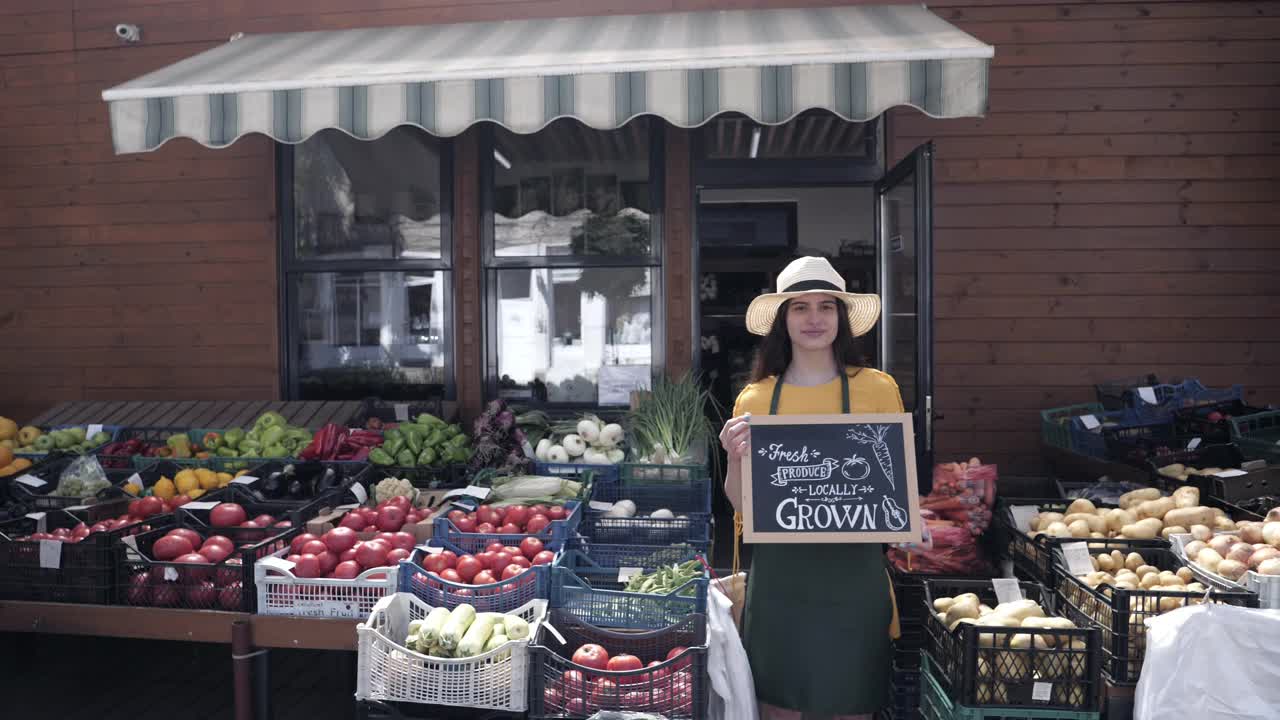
831 479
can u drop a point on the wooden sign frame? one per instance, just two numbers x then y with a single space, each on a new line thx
914 529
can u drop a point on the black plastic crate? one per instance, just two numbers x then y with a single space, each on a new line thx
1120 612
1119 393
906 692
1204 456
113 456
976 667
85 572
384 710
1135 444
908 589
42 497
297 510
906 649
677 688
679 488
1212 423
1255 509
227 585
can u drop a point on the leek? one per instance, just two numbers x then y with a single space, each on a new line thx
672 418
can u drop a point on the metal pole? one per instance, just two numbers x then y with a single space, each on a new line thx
242 668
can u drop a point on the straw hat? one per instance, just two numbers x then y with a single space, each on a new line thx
808 275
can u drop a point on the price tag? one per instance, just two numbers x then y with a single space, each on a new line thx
51 554
1090 422
32 481
93 430
135 478
361 494
552 629
1195 443
475 491
201 505
41 523
1077 556
1041 691
171 574
277 563
1148 395
323 608
625 574
1007 590
1022 515
528 449
131 547
601 506
1230 473
244 480
402 412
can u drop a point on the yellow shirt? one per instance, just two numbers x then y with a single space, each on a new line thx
870 391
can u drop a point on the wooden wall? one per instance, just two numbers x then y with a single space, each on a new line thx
1113 214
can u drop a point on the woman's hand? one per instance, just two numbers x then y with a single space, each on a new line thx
735 437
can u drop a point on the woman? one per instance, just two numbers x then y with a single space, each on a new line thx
819 617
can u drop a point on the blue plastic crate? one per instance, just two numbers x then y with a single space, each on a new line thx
644 530
595 594
1171 397
502 596
557 533
1094 442
608 473
646 556
1055 423
679 488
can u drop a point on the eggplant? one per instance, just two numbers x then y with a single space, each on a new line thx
328 481
271 487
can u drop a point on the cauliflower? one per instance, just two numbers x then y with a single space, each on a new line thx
391 487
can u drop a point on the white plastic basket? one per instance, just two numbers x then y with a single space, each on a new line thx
1179 542
280 592
387 670
1267 587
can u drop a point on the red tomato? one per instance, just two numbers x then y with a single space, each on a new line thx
604 694
230 572
592 656
149 506
467 567
658 674
216 552
348 554
511 571
552 699
385 537
100 527
530 547
465 524
134 505
486 514
557 513
165 595
396 555
249 524
192 536
574 707
573 682
347 570
170 547
399 501
229 596
201 595
486 529
308 566
625 662
403 541
538 509
314 547
484 577
283 524
227 515
264 520
328 561
512 550
340 539
450 558
499 561
676 651
391 518
195 574
293 558
372 553
455 515
62 532
536 524
369 514
413 518
433 563
219 540
295 546
139 592
353 520
509 529
517 515
451 575
495 546
546 557
521 561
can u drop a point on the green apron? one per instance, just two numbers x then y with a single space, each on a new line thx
817 621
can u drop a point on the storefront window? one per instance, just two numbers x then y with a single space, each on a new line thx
573 263
368 268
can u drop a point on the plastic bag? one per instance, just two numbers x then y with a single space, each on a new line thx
1210 662
1104 492
963 493
733 689
83 478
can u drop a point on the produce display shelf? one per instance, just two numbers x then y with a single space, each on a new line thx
935 705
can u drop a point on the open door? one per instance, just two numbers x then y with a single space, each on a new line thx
904 219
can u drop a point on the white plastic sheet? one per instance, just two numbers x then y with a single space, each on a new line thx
733 694
1211 662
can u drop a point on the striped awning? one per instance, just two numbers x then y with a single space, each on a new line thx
685 67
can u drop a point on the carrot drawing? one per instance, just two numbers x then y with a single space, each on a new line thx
874 435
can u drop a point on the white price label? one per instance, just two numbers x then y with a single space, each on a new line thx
402 412
1090 422
1077 556
171 574
41 522
1041 691
1148 395
361 494
1230 473
277 563
527 448
1007 590
1022 515
625 574
134 479
1195 443
93 430
32 481
51 554
202 505
244 480
601 506
131 547
475 491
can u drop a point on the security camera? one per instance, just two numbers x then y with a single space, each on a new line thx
128 33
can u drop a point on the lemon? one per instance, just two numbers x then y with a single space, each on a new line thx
164 489
208 478
132 489
186 481
195 494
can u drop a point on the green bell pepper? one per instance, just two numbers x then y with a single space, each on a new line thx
270 419
427 456
405 458
272 435
233 437
378 456
427 419
394 445
413 439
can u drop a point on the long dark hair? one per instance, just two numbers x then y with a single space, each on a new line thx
773 355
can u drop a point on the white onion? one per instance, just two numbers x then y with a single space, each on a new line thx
1271 534
1262 555
1231 569
1269 567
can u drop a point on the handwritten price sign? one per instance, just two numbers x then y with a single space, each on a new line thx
831 479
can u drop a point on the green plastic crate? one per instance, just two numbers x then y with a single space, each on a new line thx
1055 424
935 705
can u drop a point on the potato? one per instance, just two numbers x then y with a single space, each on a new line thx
1224 524
1240 552
1173 470
1175 530
1261 555
1270 566
1045 518
984 609
1096 524
1133 561
1058 528
1078 529
1201 533
1209 559
1144 570
1081 505
1186 496
1193 548
1117 519
1126 585
1020 609
1096 546
1173 583
1130 499
1222 544
1231 569
1186 517
1272 515
1185 574
943 604
1195 587
963 607
1271 533
1050 623
1149 581
961 621
1118 558
1146 529
1170 603
1155 508
1104 562
1250 532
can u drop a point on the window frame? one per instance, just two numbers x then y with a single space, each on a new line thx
492 264
290 268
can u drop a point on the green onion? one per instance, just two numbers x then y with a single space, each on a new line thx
672 417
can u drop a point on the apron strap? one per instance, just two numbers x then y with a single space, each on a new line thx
844 394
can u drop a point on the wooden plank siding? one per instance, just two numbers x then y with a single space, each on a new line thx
1114 213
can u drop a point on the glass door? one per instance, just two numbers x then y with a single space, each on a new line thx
904 240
